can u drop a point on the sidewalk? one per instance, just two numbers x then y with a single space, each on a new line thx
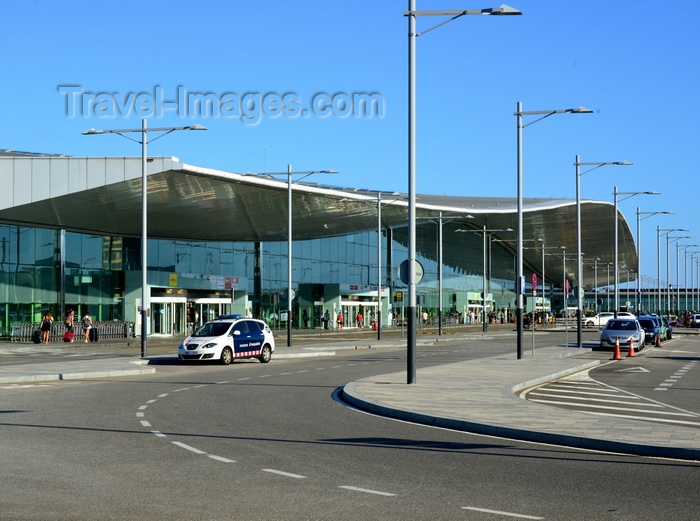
474 396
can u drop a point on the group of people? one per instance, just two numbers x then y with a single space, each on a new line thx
340 320
70 322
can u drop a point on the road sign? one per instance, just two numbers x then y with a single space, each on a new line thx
403 271
534 282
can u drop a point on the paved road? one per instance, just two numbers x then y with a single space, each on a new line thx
256 441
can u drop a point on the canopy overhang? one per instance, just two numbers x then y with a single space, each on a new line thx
102 195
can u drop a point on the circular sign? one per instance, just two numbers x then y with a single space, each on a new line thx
285 292
417 270
534 282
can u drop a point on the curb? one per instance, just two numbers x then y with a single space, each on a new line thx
354 398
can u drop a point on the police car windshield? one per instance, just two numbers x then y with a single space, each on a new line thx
213 329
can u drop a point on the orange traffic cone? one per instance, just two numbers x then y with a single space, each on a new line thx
658 341
631 351
616 353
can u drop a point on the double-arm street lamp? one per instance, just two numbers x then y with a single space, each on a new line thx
289 173
683 247
579 261
486 233
145 293
412 14
639 253
670 239
519 281
617 279
659 232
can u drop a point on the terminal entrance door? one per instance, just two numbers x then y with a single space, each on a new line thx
168 316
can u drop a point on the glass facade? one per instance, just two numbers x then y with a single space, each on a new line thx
53 270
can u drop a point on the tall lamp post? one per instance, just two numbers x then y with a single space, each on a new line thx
669 239
519 281
685 272
486 233
412 14
683 247
639 253
617 277
145 296
289 173
659 232
579 260
440 222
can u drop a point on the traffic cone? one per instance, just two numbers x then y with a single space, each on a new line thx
631 350
658 341
616 353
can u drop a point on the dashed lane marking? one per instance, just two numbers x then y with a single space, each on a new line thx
366 491
286 474
501 513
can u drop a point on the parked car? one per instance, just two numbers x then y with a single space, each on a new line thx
652 328
628 332
229 338
598 320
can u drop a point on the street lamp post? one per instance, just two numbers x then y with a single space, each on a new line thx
486 233
685 272
145 293
669 239
440 222
666 231
683 247
412 14
289 173
639 253
579 261
617 278
519 282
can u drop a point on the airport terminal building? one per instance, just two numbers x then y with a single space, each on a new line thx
70 237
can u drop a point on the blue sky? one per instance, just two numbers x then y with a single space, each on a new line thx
634 63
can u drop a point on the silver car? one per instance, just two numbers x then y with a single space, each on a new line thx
627 330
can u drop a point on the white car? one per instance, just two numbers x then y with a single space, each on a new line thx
226 339
598 320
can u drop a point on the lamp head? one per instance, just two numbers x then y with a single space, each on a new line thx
504 10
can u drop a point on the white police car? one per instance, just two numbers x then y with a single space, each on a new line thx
227 338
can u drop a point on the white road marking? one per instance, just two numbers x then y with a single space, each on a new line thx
188 447
367 491
143 407
613 408
159 434
501 513
183 389
151 401
163 395
219 458
281 473
145 423
224 382
139 415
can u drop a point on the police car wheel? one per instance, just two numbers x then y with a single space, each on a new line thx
226 356
265 354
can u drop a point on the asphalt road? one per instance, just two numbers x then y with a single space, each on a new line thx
269 441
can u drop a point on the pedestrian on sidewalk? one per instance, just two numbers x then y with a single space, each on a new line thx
70 323
46 324
359 318
86 323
